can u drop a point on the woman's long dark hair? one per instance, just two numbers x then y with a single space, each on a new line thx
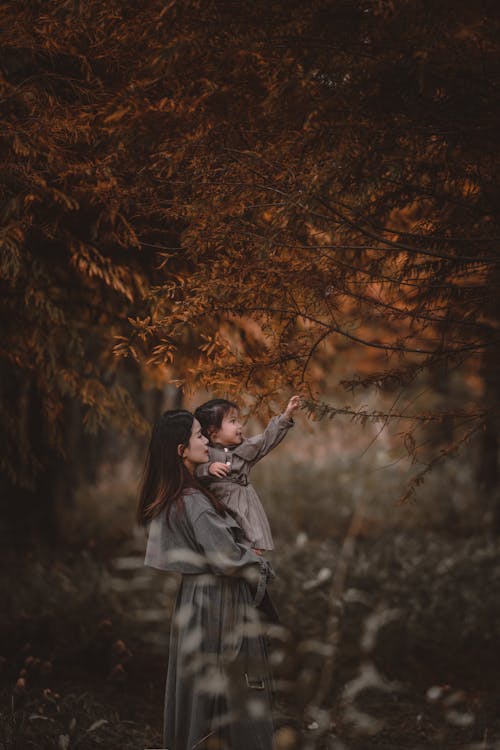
165 477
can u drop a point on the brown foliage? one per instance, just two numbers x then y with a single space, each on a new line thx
257 188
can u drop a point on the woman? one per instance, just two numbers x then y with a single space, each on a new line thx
218 692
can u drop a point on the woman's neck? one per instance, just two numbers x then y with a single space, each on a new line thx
190 467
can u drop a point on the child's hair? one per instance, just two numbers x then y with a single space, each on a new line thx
211 414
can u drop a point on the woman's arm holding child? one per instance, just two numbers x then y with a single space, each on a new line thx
229 558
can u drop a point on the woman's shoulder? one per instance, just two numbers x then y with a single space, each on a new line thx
195 502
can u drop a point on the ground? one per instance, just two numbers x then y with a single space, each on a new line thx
405 638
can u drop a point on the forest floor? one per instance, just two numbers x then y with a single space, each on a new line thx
410 631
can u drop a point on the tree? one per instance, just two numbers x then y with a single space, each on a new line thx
337 186
72 265
256 188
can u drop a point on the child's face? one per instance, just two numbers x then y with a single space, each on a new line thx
230 431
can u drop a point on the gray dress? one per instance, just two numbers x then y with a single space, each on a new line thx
234 490
218 692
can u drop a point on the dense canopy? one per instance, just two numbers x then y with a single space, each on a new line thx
241 192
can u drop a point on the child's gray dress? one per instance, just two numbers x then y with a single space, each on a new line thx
234 490
218 686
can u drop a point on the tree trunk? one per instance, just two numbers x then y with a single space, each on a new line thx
487 471
27 505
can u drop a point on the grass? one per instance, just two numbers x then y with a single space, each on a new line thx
71 672
78 718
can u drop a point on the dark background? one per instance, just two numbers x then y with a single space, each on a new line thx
253 200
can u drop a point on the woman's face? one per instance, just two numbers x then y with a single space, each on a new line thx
196 451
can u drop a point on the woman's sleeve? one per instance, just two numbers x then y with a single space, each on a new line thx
255 448
227 557
202 471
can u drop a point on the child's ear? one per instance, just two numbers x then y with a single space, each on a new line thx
180 449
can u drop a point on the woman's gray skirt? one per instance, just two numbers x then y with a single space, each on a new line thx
218 692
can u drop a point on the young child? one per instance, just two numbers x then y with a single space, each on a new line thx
231 457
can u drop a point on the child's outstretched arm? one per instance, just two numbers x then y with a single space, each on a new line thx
255 448
292 406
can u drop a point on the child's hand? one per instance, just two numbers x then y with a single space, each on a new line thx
218 469
292 406
257 551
